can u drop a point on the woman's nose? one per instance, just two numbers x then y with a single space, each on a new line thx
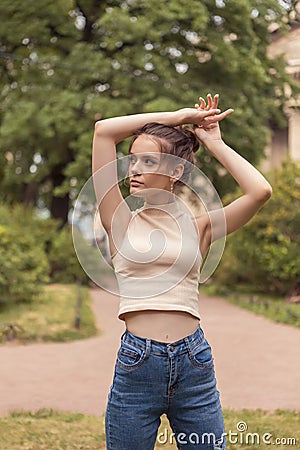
135 168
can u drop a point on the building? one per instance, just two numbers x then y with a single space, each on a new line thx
286 142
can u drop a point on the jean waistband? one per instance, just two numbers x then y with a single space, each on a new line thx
185 344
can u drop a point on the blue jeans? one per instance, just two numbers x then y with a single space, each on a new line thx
152 378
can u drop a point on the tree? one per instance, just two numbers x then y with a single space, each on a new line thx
70 62
265 253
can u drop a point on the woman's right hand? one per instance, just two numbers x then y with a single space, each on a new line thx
209 130
195 116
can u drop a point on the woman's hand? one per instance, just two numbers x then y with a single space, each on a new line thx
208 129
196 116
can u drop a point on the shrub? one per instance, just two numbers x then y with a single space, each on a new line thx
65 267
24 266
265 252
54 245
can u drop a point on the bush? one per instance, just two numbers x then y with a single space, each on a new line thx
65 267
33 252
265 252
24 266
28 223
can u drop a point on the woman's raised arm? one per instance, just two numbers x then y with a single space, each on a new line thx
120 128
256 189
107 134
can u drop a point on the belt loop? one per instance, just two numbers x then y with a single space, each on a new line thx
148 347
187 342
200 333
197 338
122 337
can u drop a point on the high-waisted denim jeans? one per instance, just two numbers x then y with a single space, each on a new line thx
152 378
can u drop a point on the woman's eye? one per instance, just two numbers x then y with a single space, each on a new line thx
149 161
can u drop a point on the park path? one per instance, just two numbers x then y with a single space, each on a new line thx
257 362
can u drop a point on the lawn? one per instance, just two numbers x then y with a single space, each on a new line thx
272 307
51 430
51 318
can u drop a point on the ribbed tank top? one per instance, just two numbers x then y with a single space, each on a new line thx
157 265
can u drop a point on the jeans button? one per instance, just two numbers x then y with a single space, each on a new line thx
171 347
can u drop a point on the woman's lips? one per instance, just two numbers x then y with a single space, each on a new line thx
135 182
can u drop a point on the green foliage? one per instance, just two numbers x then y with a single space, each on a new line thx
33 251
65 267
27 221
24 240
274 307
67 63
52 318
24 266
47 428
265 252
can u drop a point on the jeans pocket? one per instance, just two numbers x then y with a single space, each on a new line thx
130 357
201 356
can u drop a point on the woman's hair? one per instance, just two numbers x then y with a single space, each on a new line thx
178 141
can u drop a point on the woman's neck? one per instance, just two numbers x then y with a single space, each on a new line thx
160 199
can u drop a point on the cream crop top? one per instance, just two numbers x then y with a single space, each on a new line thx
157 265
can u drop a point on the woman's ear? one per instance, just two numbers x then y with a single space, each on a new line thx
178 171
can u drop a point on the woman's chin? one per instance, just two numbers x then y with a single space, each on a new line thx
136 191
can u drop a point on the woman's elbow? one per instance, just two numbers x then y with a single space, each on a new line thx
98 130
265 193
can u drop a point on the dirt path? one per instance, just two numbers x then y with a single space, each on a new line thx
257 362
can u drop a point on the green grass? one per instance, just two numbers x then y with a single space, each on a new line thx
50 430
51 319
272 307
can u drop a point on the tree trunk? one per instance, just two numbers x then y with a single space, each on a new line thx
30 193
59 207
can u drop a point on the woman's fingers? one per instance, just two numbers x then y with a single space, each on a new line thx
218 117
224 114
202 103
209 127
209 101
212 103
210 112
216 101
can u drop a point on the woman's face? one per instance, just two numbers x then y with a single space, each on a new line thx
149 176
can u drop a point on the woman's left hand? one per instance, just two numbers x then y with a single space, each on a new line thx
209 130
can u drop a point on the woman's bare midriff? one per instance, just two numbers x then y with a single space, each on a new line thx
163 326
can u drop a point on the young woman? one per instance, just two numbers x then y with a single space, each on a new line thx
164 363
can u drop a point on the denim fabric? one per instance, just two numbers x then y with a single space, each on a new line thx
152 378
